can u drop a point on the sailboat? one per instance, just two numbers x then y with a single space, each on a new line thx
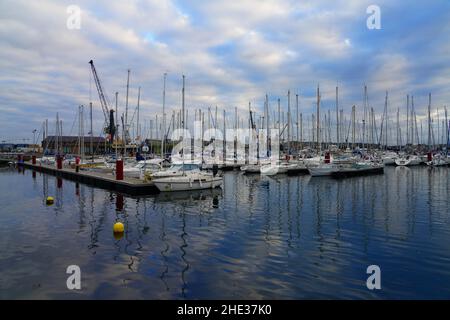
193 180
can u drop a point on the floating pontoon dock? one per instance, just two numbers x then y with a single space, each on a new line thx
102 180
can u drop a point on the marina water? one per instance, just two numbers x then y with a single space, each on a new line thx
287 237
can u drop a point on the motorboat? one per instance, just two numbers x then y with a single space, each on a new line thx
142 167
176 170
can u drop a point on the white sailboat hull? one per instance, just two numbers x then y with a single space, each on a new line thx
413 161
320 171
251 168
186 183
270 170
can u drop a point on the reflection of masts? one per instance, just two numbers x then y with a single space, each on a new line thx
183 255
45 186
164 252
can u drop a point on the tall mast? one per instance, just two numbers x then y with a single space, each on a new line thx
117 125
182 105
407 120
138 131
57 135
126 107
163 137
337 116
301 130
289 121
353 126
365 116
279 119
386 119
266 115
429 122
447 130
413 121
224 143
297 122
398 127
318 118
92 134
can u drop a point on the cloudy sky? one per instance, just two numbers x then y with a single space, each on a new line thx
231 52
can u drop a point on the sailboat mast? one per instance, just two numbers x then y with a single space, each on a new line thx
429 122
126 107
117 125
337 117
289 121
182 104
296 107
91 135
318 118
163 137
407 120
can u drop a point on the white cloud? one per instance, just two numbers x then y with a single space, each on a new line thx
268 47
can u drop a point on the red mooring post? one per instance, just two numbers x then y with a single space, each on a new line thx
119 169
33 159
327 157
59 160
429 156
77 164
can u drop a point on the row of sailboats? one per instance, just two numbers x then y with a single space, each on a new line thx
320 159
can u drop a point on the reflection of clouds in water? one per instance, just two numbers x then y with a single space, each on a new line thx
289 237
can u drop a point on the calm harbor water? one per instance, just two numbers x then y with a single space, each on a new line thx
258 237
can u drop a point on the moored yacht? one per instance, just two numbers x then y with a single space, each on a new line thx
193 180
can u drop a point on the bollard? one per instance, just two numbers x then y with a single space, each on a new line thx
119 169
327 157
59 160
33 159
77 164
429 156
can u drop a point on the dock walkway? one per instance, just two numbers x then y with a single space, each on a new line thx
103 180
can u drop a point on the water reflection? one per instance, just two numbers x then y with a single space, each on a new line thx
258 237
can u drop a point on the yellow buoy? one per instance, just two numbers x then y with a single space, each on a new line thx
118 227
49 200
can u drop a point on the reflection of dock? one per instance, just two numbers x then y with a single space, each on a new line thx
102 180
192 195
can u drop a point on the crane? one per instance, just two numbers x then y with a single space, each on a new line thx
108 112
